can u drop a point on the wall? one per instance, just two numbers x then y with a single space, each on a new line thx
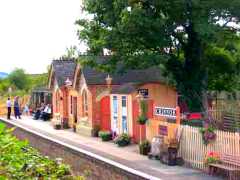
162 95
80 162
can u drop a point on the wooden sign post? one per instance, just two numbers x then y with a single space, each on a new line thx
172 113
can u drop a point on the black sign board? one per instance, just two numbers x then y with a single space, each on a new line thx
143 92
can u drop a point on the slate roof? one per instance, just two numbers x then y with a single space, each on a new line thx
125 88
64 69
149 75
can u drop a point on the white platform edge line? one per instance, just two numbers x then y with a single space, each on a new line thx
114 163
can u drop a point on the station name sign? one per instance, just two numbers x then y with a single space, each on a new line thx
165 112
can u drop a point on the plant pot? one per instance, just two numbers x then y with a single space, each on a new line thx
57 126
74 128
144 150
65 125
107 138
94 133
122 143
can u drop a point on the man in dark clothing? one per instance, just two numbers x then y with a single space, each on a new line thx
17 108
9 108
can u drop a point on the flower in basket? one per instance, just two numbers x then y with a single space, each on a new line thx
212 157
208 134
142 120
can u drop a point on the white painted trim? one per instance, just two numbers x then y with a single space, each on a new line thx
93 155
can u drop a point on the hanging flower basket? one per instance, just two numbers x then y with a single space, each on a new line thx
142 120
208 135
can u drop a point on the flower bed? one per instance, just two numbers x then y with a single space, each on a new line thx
20 161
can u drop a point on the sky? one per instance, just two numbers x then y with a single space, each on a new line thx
33 32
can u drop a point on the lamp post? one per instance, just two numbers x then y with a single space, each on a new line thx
108 81
10 91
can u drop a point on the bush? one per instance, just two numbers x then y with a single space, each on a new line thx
105 135
123 140
20 161
144 147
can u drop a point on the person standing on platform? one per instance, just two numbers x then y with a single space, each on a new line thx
9 108
16 108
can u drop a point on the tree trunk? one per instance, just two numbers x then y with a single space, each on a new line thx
193 85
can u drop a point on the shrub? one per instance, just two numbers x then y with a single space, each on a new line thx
122 140
105 135
144 147
20 161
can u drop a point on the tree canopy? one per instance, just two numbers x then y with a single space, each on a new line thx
194 42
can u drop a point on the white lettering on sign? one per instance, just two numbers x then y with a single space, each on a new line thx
166 112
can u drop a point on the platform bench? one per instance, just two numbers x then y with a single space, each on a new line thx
229 163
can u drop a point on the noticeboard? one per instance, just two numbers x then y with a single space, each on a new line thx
143 92
163 130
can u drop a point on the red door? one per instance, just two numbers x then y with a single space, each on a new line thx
105 113
136 126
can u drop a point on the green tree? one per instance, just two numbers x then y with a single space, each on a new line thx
19 79
185 38
71 52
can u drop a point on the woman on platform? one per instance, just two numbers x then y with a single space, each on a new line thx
16 108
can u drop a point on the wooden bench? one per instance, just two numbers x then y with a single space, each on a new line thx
229 163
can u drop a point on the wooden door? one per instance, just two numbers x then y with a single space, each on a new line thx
105 113
136 126
75 109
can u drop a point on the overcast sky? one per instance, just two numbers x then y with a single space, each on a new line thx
33 32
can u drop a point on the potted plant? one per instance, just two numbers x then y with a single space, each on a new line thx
144 147
57 125
95 130
65 125
105 135
74 127
212 157
123 140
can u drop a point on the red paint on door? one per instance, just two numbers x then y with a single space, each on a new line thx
105 113
136 126
150 109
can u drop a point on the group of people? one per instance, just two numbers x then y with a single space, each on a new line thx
16 108
43 112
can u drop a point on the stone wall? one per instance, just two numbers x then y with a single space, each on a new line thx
80 163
